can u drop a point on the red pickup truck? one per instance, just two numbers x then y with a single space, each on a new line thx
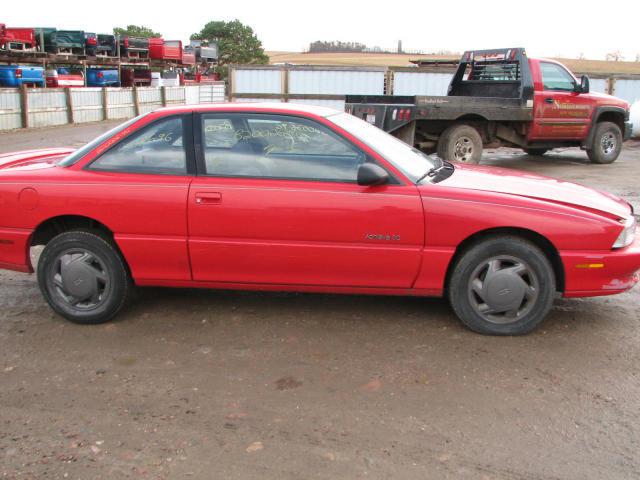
503 98
12 38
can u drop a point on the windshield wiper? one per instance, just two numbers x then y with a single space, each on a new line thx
433 171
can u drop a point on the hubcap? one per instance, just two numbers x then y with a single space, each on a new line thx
608 143
503 289
463 149
80 279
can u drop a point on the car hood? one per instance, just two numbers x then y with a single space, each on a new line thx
524 184
31 157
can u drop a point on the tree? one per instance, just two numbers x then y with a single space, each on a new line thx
135 31
236 42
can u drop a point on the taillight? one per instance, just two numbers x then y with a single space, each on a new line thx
125 42
18 73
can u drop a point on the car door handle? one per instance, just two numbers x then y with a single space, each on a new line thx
548 100
208 198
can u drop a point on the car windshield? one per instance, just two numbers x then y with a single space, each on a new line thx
82 151
410 161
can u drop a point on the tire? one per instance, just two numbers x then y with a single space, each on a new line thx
500 305
83 277
607 143
460 143
536 151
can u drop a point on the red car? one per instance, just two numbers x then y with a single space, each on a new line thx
300 198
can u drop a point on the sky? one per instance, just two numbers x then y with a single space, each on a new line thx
545 28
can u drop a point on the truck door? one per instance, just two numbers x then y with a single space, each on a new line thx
561 113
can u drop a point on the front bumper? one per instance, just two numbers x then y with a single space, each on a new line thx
592 274
628 128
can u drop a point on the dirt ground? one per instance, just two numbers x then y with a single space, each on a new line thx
231 385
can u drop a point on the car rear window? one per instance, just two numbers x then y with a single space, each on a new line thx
76 156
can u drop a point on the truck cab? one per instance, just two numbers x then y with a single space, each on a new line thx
504 98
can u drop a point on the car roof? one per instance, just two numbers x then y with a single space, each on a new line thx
271 107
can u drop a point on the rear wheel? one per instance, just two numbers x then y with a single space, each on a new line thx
607 143
502 286
536 151
83 277
460 143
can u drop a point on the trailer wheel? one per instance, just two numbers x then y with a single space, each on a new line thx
607 143
460 143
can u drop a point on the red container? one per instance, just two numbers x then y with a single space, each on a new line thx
161 49
17 38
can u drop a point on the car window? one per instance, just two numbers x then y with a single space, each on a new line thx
555 77
277 146
157 148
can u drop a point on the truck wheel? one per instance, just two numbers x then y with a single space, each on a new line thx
460 143
83 277
536 151
607 143
502 286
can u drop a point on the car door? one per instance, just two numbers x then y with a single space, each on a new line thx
276 202
139 187
561 113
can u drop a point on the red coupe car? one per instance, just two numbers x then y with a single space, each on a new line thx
299 198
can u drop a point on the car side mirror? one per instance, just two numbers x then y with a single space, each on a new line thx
584 84
370 174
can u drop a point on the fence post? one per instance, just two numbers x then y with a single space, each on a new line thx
163 95
284 84
24 105
231 81
611 87
136 101
69 98
105 103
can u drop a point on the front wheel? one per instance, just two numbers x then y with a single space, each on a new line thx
607 143
460 143
83 277
502 286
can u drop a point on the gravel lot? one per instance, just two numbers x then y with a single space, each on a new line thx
208 384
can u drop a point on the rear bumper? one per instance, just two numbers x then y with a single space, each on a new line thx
592 274
628 128
14 249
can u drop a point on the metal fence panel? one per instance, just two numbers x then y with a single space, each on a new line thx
149 98
47 107
421 83
599 85
87 104
120 103
213 93
192 95
628 90
175 95
336 82
257 81
10 109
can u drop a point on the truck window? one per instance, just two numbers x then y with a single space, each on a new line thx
555 77
493 72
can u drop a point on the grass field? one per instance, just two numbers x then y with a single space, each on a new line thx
592 67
